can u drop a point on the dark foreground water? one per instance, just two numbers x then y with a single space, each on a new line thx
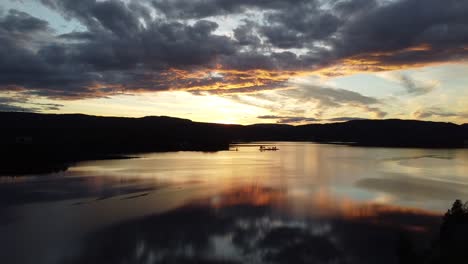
306 203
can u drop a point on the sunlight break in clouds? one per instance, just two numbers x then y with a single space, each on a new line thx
66 55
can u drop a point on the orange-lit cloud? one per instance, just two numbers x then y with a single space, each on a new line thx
200 53
230 80
393 60
222 79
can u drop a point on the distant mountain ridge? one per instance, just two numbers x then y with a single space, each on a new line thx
36 139
50 128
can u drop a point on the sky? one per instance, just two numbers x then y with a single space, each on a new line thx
243 61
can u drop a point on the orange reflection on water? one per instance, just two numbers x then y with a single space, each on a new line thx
324 205
348 208
247 195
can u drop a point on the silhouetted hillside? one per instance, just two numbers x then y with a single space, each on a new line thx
39 142
261 132
465 132
111 134
391 133
30 141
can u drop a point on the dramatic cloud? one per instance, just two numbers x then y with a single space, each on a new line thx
226 47
420 32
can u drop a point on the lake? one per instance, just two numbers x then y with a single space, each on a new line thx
306 203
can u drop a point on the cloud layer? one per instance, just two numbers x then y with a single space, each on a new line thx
161 45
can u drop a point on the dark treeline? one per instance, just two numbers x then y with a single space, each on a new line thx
379 133
465 131
30 140
32 143
451 245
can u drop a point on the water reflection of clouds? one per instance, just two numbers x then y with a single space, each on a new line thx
424 165
344 196
50 189
434 192
256 225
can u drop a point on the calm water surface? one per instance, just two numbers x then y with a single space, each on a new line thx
306 203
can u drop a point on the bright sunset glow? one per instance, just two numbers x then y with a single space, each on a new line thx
235 62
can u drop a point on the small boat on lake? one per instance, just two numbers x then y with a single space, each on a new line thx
263 148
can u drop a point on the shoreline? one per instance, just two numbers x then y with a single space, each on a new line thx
26 166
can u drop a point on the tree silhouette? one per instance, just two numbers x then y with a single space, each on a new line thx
452 244
450 247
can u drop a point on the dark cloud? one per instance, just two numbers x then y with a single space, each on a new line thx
376 111
25 66
353 8
132 46
301 119
288 119
13 108
394 33
319 99
412 87
292 104
299 26
21 22
344 119
107 57
437 112
13 103
11 99
246 35
113 16
186 9
421 32
29 108
329 97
